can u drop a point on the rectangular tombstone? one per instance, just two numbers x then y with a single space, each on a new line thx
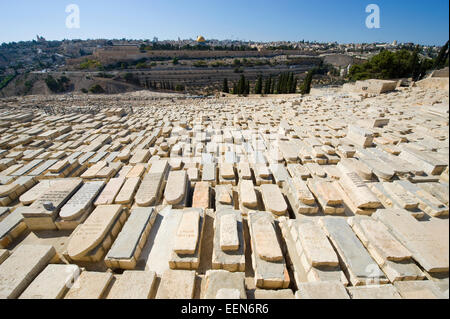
374 292
402 270
247 194
222 279
187 233
128 190
273 199
316 246
209 173
356 261
244 171
437 190
380 243
150 190
186 247
357 189
136 171
321 290
296 196
90 285
94 169
419 290
404 199
201 197
279 173
133 284
176 284
267 258
227 175
11 227
44 210
109 193
52 283
229 240
224 197
19 270
274 294
424 160
141 156
350 205
428 203
430 249
229 245
301 266
128 245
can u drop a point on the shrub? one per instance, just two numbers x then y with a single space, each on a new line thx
200 64
90 64
96 89
57 86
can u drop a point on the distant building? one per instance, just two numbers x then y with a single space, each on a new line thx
201 40
40 39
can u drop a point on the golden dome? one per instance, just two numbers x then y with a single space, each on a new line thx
201 39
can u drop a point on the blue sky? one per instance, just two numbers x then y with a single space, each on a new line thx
424 22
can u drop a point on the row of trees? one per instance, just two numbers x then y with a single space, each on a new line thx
285 83
164 85
400 64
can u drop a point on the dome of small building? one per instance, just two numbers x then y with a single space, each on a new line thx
201 39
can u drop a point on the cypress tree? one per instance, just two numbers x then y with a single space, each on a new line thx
272 86
294 85
290 83
414 64
306 85
258 85
242 85
442 56
267 85
280 83
225 88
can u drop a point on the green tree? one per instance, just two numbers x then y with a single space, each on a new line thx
225 88
272 86
267 85
442 56
415 64
242 85
258 85
293 88
97 89
390 65
57 86
305 88
290 81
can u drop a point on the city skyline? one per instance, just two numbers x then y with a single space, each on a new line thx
258 21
